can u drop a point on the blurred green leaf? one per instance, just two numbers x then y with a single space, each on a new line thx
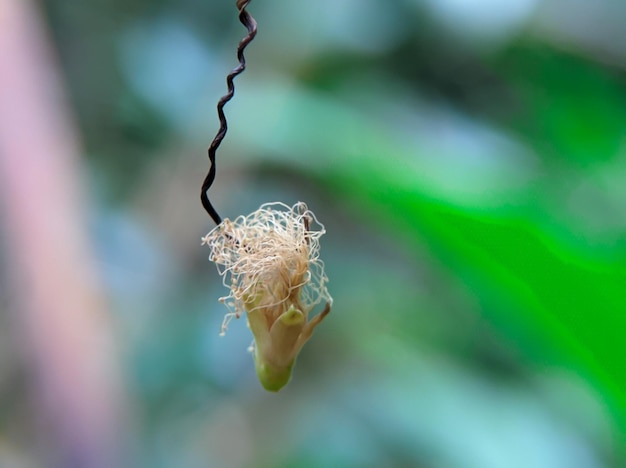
568 108
544 287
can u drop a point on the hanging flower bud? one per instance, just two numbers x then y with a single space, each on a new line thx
270 262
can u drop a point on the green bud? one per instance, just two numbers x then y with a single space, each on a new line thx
270 261
278 344
271 377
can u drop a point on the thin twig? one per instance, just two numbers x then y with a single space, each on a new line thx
248 21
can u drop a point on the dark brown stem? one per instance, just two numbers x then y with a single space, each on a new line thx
249 22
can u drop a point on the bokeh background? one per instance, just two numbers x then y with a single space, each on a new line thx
468 159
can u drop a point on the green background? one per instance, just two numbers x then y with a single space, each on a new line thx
468 160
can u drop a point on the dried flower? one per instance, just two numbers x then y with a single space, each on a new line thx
270 262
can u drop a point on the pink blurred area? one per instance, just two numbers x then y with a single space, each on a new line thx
54 298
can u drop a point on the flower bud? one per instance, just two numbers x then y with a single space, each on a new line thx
270 262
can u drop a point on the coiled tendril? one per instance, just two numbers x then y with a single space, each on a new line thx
248 21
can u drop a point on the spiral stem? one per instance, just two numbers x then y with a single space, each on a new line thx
248 21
